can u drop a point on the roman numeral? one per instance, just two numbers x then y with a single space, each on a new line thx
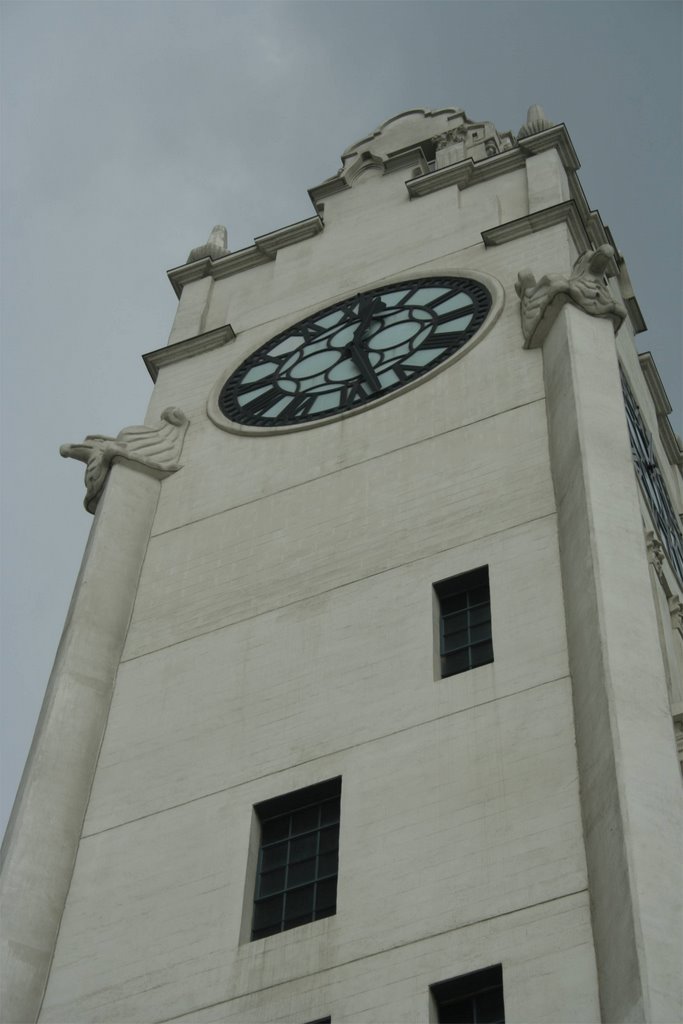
400 371
310 332
441 341
457 313
414 368
353 391
299 406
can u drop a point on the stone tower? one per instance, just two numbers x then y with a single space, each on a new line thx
367 703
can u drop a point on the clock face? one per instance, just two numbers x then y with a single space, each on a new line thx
354 352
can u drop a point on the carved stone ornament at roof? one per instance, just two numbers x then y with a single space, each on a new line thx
404 130
536 122
433 150
469 140
154 448
586 287
215 248
424 139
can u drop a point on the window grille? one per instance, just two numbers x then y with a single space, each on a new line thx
465 639
652 483
296 877
475 998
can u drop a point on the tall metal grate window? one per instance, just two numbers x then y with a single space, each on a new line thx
296 880
652 483
475 998
465 639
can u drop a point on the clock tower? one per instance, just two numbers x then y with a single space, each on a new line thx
368 706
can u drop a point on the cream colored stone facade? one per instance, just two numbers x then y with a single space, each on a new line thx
526 813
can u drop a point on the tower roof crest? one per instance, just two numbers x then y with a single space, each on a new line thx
444 136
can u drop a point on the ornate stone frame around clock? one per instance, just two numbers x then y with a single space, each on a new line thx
495 288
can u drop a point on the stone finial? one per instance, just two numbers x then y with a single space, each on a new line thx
536 121
214 248
586 287
156 448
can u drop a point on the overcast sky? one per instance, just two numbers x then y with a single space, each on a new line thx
130 129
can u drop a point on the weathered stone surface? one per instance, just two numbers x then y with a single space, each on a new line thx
586 287
284 632
154 448
214 248
536 121
43 833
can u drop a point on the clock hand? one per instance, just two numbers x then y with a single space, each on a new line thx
361 360
367 308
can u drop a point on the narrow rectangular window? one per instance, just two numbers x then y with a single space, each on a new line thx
296 875
475 998
465 639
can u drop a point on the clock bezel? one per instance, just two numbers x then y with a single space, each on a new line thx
496 292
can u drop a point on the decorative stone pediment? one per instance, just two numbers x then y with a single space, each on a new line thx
586 287
155 448
425 140
366 161
403 131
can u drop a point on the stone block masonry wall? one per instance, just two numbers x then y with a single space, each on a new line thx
284 633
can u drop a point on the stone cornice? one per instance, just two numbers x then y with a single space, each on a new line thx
557 138
669 438
290 235
654 383
263 251
470 172
585 225
634 314
630 301
562 213
186 273
406 159
186 348
234 263
465 173
327 188
586 230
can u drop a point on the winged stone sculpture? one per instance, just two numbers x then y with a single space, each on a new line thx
157 448
586 287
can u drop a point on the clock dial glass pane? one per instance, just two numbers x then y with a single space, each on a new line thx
355 352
